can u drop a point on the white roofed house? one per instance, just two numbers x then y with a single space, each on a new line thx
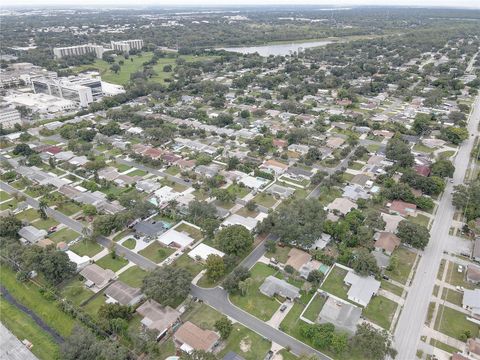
342 206
362 288
203 251
96 278
121 293
248 222
471 302
273 286
30 234
176 239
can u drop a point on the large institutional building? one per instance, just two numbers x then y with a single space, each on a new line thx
123 45
9 116
79 93
78 50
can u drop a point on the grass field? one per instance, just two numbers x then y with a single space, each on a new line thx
265 200
156 252
133 276
190 230
380 311
394 289
189 264
202 315
453 277
23 327
88 248
28 215
246 343
313 310
130 243
406 259
454 323
452 296
66 235
254 301
28 294
45 224
280 254
334 283
114 264
76 292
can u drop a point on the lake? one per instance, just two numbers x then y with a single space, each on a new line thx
278 49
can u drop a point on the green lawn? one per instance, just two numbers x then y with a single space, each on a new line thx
68 208
453 277
133 276
328 195
202 315
122 234
4 196
420 219
406 259
422 148
452 296
394 289
94 305
255 302
334 283
9 205
45 224
122 167
76 292
66 235
280 254
172 170
313 310
175 186
23 327
454 323
287 355
247 213
242 338
190 230
156 252
264 199
85 247
28 215
373 147
114 264
130 243
137 172
28 294
238 191
444 347
380 311
356 166
189 264
166 349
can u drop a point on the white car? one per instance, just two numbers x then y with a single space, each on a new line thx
460 268
460 288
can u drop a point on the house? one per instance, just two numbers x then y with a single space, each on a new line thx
342 206
355 192
157 317
297 258
147 186
280 191
321 242
203 251
121 293
476 250
30 234
150 227
248 222
473 348
301 149
308 267
344 316
297 173
360 179
473 274
279 143
422 170
255 183
97 278
335 142
80 261
391 222
207 171
382 259
403 208
176 239
274 286
386 242
471 302
274 166
190 337
362 288
164 195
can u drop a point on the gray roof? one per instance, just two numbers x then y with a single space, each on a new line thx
471 299
32 234
124 294
150 228
157 317
362 287
97 275
355 192
343 315
476 248
299 171
381 258
273 286
232 356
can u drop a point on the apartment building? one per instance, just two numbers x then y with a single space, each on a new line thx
127 45
78 50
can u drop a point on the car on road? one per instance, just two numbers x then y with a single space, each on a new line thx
269 355
283 308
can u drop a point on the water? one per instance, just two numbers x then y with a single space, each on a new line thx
279 49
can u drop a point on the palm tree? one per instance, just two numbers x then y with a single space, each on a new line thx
42 207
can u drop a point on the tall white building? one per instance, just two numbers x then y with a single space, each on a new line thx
64 89
9 116
127 45
78 50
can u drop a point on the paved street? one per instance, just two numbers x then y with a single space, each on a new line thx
409 327
218 299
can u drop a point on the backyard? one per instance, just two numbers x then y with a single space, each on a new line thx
156 252
87 248
405 262
334 283
380 311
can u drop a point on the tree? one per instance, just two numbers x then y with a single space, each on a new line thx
364 263
115 68
198 211
373 344
234 240
413 234
442 168
421 124
224 326
80 345
398 151
315 277
467 199
42 208
251 205
230 284
9 226
224 195
115 311
22 149
167 68
215 267
167 284
296 221
89 210
271 246
198 355
454 134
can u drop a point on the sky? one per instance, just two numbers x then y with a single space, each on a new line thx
132 3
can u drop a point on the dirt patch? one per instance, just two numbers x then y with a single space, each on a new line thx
245 344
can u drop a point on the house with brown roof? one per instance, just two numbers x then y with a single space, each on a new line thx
297 258
403 208
157 317
473 274
386 242
335 142
473 348
274 166
153 153
422 170
342 206
190 337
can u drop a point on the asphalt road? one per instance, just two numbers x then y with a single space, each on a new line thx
218 299
413 315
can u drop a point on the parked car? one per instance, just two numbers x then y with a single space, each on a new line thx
460 268
460 288
269 355
385 277
283 308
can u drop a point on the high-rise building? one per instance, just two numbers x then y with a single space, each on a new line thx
64 89
127 45
9 116
78 50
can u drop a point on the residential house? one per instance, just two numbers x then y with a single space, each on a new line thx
280 191
297 258
476 250
403 208
161 319
473 274
391 221
355 192
473 348
121 293
203 251
30 234
321 242
97 278
274 286
362 288
343 315
422 170
207 171
342 206
335 142
274 167
176 239
248 222
471 302
190 337
297 173
298 148
386 242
